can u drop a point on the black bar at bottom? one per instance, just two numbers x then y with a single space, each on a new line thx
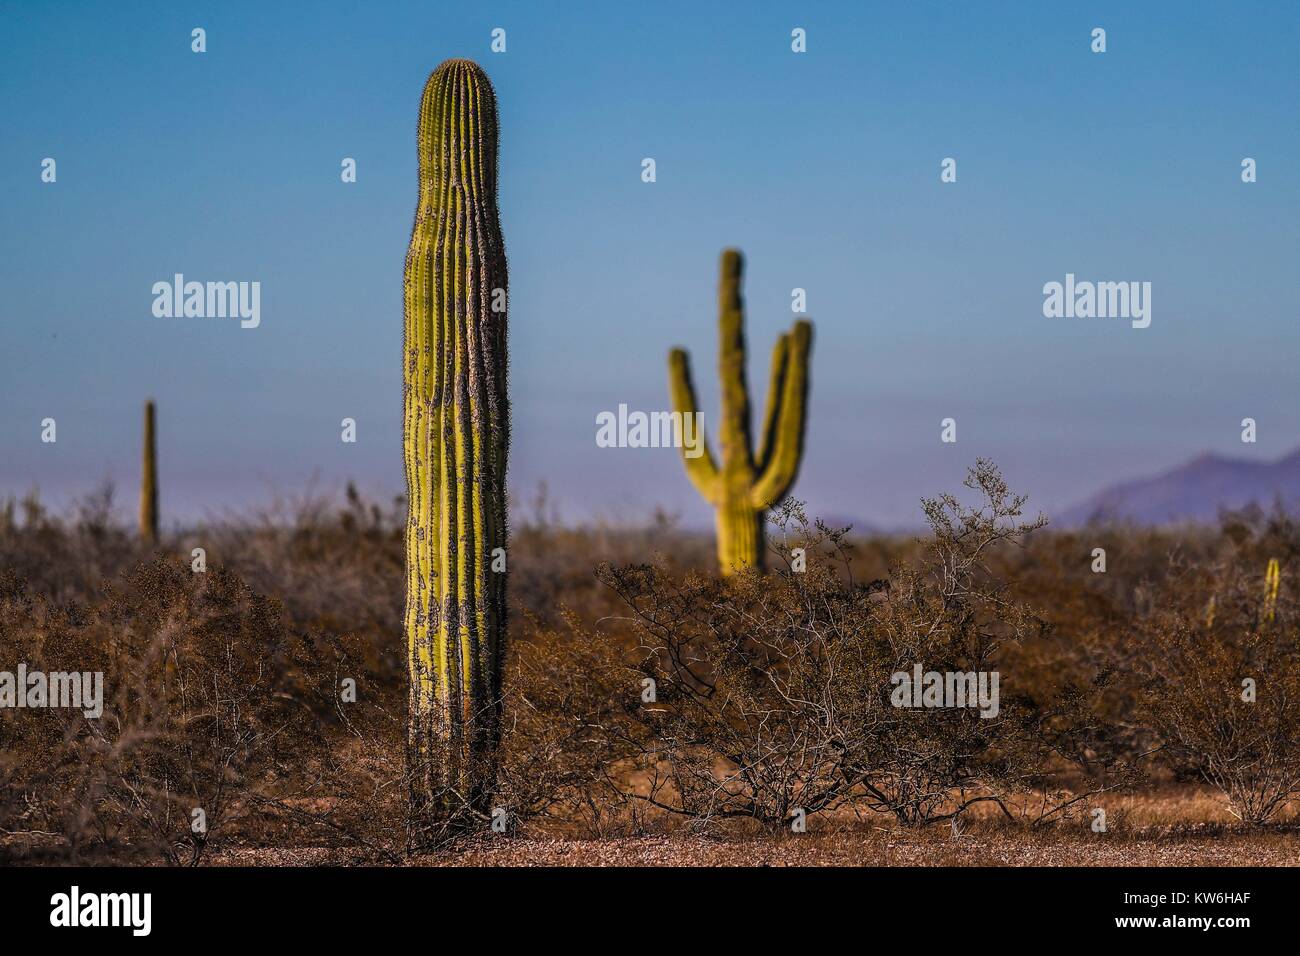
332 906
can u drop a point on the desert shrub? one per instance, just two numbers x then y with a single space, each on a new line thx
776 692
1082 666
568 694
1222 681
200 691
206 695
221 698
66 559
37 755
771 692
334 568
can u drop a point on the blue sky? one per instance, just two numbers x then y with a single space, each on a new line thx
823 167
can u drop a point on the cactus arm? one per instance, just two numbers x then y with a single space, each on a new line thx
703 469
783 464
737 452
775 395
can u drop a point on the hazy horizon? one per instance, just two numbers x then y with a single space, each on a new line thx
823 167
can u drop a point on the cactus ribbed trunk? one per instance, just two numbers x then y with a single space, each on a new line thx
149 479
456 435
740 535
746 485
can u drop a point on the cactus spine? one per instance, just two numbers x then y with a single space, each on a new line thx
745 486
149 479
455 436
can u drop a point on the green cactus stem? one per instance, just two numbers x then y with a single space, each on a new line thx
456 434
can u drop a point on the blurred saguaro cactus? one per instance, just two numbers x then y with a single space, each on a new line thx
149 478
456 434
744 486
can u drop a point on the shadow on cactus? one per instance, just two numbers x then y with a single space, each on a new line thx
745 485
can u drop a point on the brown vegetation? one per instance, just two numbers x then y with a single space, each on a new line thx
227 691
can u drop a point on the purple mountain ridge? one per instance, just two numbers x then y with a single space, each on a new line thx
1196 491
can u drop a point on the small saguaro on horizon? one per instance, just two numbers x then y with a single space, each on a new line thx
149 478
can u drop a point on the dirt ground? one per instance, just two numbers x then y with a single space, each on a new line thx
1175 826
1205 835
841 849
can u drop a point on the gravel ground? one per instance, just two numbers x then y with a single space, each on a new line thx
838 849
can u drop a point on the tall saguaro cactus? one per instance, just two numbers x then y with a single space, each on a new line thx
456 434
746 485
149 478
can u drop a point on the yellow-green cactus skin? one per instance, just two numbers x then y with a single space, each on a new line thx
149 479
746 485
456 434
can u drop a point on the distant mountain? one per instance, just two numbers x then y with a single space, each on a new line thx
860 526
1196 491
